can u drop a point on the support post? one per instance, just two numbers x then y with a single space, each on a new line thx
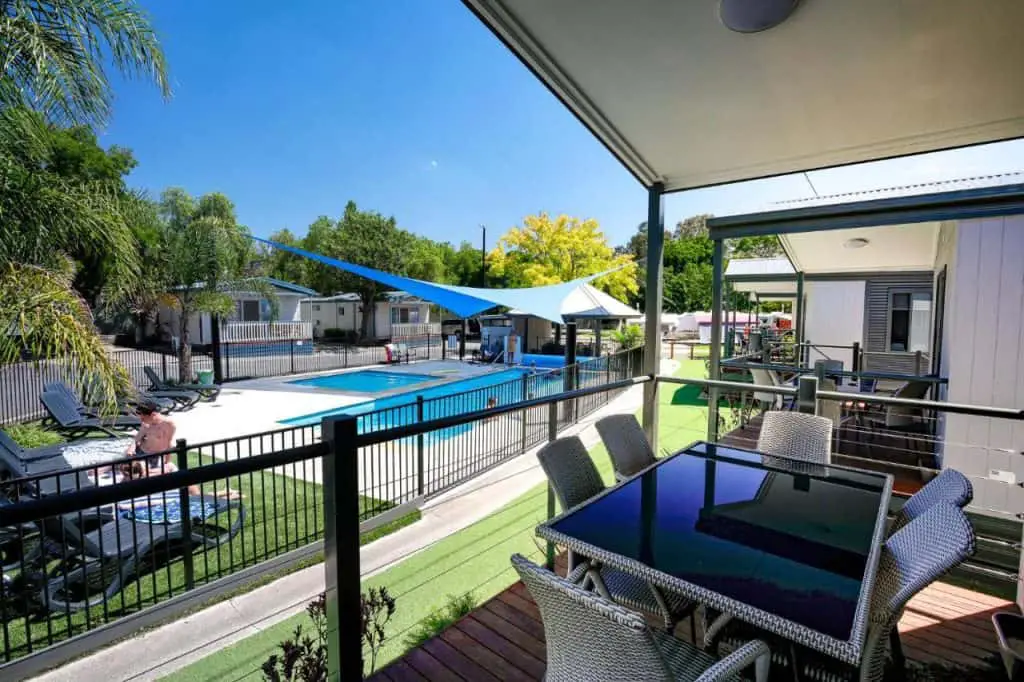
524 435
715 351
597 339
918 362
652 307
218 371
807 393
855 364
181 451
569 375
549 559
341 550
798 319
419 447
462 339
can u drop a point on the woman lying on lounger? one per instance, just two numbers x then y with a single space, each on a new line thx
156 435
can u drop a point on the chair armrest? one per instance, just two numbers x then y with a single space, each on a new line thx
715 628
754 653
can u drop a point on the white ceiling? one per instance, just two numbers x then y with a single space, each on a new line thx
681 99
766 287
890 248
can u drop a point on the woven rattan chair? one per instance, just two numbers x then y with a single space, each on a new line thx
589 638
796 436
626 443
914 557
574 480
951 487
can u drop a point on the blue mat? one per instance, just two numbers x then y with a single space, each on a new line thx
169 511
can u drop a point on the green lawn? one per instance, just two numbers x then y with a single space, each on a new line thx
475 559
282 513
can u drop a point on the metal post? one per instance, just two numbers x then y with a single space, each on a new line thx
345 348
918 362
462 339
549 560
218 371
715 352
291 354
341 550
806 396
444 346
163 366
419 447
569 375
597 340
181 448
855 367
798 319
525 413
652 307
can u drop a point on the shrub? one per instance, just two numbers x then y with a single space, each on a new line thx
630 336
439 619
552 348
32 435
304 658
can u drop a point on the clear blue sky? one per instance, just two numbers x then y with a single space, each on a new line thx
411 108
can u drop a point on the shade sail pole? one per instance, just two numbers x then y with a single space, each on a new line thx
715 352
652 312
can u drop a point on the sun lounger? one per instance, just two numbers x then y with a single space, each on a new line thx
68 421
208 392
125 408
148 533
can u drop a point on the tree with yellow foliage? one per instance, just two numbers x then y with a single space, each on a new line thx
546 250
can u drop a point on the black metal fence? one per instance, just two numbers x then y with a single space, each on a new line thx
108 561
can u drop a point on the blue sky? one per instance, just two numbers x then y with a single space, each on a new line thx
411 108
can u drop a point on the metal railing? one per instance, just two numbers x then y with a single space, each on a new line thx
342 453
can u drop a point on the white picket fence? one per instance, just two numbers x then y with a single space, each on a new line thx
238 332
399 330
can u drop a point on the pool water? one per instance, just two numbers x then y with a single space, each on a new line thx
365 381
446 400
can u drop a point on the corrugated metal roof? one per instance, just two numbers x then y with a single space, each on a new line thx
742 267
952 185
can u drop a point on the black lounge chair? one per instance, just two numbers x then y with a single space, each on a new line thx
18 462
125 408
98 564
174 400
207 392
66 419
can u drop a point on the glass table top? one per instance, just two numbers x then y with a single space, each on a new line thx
792 543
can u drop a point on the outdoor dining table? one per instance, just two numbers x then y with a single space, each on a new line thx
789 547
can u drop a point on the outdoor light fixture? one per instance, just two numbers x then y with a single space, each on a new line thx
856 243
751 16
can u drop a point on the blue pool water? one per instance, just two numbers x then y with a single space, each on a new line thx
365 381
458 397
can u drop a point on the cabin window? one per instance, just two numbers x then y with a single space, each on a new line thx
910 316
403 315
316 307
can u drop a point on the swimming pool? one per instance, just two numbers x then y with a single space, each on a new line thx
446 400
365 381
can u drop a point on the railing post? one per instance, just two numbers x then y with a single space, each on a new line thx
525 396
215 328
549 558
341 550
444 348
918 362
181 450
419 447
344 347
291 354
570 367
856 356
807 394
163 366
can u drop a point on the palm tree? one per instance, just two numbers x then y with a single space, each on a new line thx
53 56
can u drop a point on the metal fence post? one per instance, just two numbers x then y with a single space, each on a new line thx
807 394
856 356
341 549
549 557
525 396
291 354
181 448
215 348
163 366
918 362
444 347
345 349
419 447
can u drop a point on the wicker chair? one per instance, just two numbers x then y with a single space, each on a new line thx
575 479
914 557
951 487
796 436
627 444
590 638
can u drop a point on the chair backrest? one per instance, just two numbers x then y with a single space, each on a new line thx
919 554
571 471
10 457
154 379
794 435
950 487
588 637
60 409
763 378
868 385
626 443
63 389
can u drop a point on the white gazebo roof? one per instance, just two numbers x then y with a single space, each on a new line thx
589 303
682 100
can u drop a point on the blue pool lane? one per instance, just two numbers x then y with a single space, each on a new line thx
365 381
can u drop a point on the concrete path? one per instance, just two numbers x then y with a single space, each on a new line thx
164 650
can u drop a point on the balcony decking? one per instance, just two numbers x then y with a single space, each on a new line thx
503 639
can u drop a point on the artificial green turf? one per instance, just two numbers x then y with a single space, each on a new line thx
282 513
475 559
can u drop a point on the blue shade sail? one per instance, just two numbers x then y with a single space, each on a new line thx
543 302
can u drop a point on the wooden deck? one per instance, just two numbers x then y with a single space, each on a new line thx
504 638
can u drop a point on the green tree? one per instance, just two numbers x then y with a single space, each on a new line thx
755 247
547 250
203 253
54 56
283 264
462 265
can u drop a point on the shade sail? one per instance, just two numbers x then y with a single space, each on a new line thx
543 302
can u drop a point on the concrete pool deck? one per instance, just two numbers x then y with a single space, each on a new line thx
173 646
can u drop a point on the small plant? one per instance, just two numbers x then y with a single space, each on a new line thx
439 619
630 336
304 658
32 435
